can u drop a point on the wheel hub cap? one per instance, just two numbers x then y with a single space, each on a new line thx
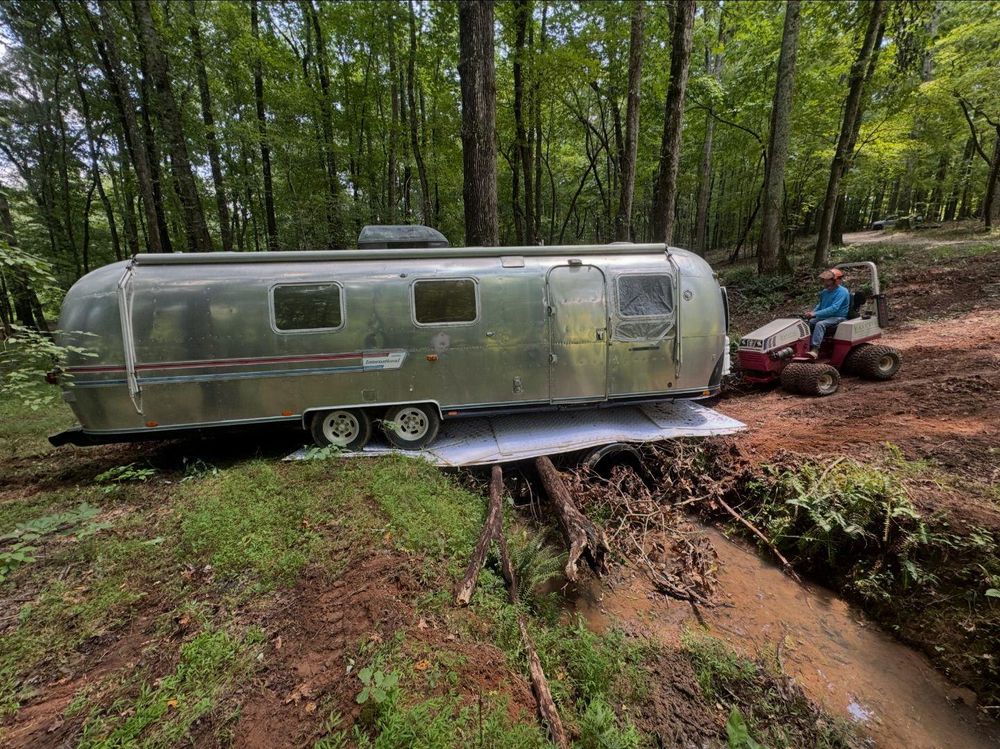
411 423
340 428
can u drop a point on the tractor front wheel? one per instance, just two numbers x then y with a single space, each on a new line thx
810 379
876 362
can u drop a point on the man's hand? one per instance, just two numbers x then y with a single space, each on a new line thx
809 314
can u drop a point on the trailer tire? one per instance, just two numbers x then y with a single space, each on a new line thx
346 428
878 362
411 426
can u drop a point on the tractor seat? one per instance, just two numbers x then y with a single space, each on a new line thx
858 299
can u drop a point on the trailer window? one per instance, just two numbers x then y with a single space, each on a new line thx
451 300
645 296
307 307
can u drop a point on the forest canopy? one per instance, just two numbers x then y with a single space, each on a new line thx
167 125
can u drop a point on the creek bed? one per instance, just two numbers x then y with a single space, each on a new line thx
843 661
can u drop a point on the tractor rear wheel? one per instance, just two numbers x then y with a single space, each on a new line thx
810 379
877 362
850 365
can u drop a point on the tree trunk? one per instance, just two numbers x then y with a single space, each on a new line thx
426 211
479 161
270 221
334 231
537 114
491 529
26 305
665 198
992 197
583 538
108 54
623 219
522 14
951 209
169 117
852 115
153 159
204 94
777 147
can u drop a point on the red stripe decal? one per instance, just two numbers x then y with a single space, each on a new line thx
196 364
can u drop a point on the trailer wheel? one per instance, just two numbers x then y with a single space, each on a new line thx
347 428
878 362
411 427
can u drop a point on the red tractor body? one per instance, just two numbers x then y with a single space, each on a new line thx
780 349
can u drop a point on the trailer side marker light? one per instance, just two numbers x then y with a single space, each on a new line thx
152 423
705 392
432 357
452 413
286 413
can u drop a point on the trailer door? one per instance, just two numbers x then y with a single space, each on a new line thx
578 328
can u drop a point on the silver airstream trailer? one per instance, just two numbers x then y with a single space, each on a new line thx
340 342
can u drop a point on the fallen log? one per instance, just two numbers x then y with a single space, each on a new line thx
491 528
583 538
539 685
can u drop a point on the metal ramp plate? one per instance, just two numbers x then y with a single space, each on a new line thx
501 439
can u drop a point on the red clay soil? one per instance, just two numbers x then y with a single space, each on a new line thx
942 406
322 626
41 723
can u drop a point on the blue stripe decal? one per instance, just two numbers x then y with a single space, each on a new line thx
166 380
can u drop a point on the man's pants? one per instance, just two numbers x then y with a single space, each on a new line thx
819 328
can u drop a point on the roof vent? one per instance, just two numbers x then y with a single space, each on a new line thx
383 237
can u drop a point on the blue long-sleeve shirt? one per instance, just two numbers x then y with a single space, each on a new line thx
833 303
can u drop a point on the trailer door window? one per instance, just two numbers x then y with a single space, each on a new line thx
307 307
645 296
446 301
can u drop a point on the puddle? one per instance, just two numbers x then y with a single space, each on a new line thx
841 660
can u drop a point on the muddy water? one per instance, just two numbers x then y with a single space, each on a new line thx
841 660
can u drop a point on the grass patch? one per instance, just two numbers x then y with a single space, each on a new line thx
764 707
426 511
163 711
251 523
25 432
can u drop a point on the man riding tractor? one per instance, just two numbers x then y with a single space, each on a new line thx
840 334
832 309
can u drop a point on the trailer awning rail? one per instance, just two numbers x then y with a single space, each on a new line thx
213 258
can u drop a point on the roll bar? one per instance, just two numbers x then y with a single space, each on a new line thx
870 266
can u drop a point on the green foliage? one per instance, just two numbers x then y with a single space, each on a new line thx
125 474
25 358
737 733
250 523
163 711
600 729
378 686
19 546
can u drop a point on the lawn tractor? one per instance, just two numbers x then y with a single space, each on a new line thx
780 349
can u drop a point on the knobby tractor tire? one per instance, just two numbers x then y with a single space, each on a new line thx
850 365
876 362
810 379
